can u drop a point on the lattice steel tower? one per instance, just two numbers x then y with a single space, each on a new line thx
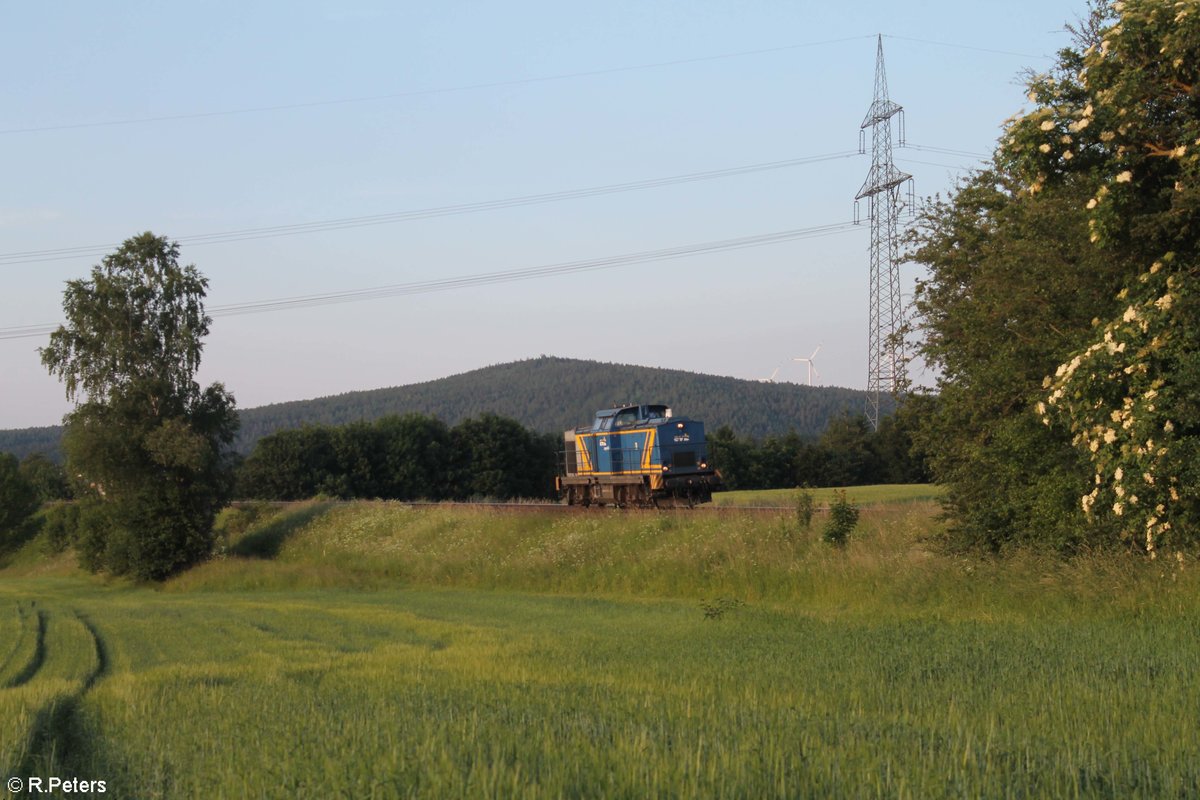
882 191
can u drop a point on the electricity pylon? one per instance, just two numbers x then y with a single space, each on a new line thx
882 191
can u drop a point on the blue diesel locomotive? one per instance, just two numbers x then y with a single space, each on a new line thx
637 456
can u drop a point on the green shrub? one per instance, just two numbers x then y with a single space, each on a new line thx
843 516
806 504
60 524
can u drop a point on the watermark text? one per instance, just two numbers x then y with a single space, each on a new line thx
56 785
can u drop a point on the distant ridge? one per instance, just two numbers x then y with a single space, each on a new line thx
547 394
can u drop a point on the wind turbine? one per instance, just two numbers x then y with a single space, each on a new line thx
812 367
770 379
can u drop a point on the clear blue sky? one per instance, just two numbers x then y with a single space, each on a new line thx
70 178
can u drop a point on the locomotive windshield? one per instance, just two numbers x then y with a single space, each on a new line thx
626 418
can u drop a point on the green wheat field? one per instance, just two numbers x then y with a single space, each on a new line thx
375 650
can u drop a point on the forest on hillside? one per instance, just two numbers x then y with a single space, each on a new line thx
548 395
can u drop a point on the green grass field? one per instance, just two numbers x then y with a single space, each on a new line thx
372 650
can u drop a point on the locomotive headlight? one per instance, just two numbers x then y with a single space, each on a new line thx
666 468
703 465
679 425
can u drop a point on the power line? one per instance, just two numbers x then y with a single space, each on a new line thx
958 167
944 150
422 92
961 46
489 278
274 231
266 108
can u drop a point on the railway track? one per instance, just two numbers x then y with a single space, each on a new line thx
518 507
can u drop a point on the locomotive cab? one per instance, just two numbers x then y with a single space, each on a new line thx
637 455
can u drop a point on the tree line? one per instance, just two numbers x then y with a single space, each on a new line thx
416 457
409 457
848 453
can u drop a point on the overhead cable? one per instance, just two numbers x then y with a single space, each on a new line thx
274 231
961 46
488 85
489 278
423 92
944 150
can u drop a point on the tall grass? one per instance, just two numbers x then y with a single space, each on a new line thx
862 495
891 560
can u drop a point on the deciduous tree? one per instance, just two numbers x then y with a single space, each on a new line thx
147 444
18 499
1061 305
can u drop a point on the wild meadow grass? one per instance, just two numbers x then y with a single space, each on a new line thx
373 650
861 495
672 553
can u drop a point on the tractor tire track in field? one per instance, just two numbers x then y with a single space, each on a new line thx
58 743
33 627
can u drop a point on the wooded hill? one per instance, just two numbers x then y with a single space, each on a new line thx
546 394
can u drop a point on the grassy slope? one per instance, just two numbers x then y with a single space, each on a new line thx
449 653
